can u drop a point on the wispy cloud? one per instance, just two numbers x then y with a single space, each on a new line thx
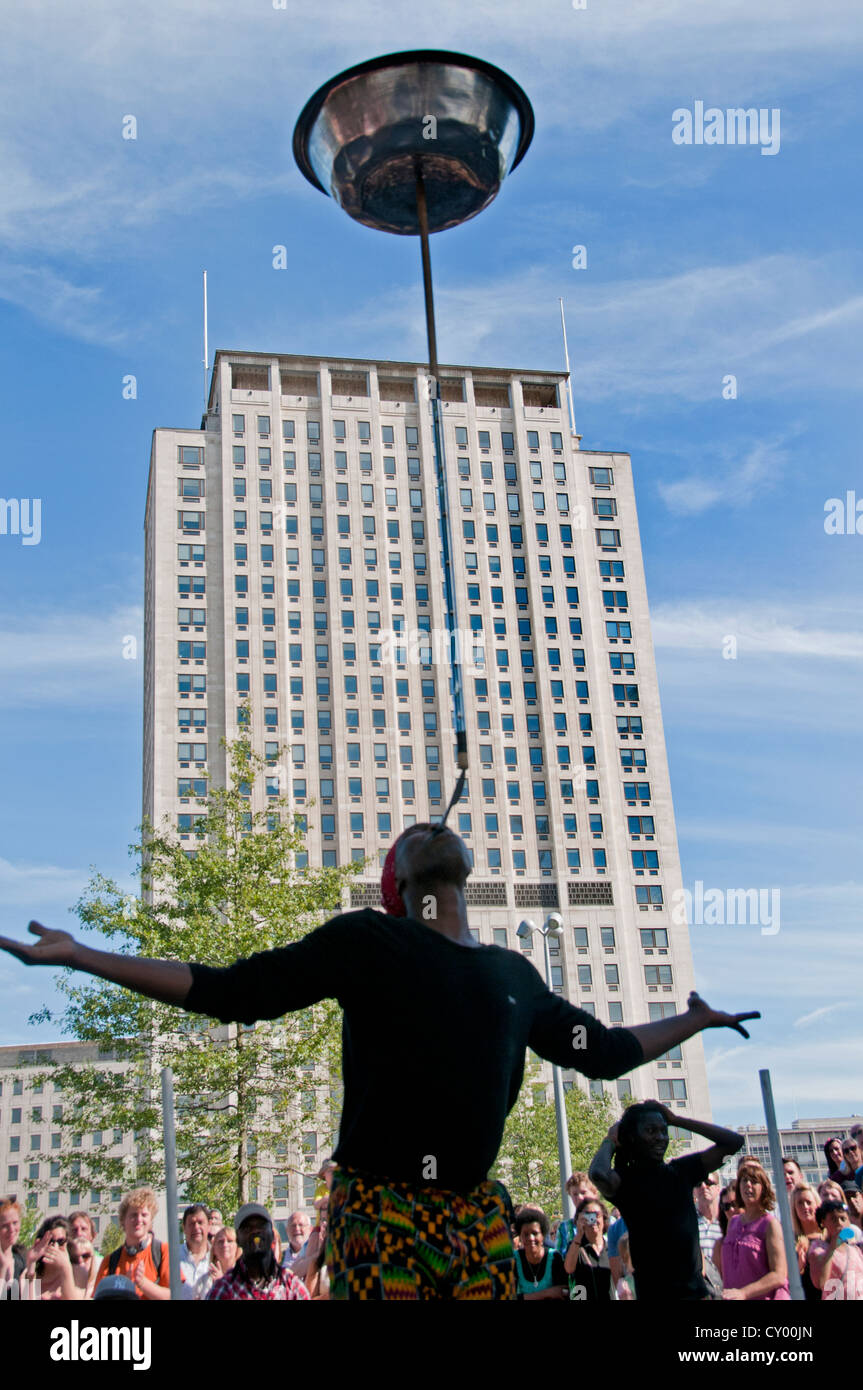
815 1076
22 884
764 629
736 486
80 311
673 335
71 659
817 1014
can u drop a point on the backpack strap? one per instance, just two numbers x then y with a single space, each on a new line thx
156 1250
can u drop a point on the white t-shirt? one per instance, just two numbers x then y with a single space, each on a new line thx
192 1272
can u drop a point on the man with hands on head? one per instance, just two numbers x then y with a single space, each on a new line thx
655 1198
462 1015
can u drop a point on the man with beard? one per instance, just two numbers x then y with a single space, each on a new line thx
655 1198
257 1276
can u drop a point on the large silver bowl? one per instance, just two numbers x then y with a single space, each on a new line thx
360 136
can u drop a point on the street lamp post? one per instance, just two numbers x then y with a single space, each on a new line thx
412 144
553 926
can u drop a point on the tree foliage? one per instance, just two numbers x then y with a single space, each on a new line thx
243 1094
528 1158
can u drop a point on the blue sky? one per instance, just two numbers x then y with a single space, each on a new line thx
702 261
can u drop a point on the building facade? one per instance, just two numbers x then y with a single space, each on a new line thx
293 563
37 1126
803 1140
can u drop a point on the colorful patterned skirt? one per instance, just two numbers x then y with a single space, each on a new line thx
387 1240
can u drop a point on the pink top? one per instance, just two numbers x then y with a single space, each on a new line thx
744 1256
846 1277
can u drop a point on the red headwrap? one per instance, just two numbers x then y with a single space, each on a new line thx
390 900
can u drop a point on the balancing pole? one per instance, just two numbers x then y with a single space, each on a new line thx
456 688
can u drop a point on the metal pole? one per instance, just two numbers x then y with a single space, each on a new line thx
568 372
564 1157
206 346
456 688
794 1283
170 1137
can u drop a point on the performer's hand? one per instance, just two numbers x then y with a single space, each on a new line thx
713 1018
51 948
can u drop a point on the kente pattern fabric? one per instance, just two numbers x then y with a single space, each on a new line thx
388 1241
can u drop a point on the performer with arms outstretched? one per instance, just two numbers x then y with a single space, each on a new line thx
434 1035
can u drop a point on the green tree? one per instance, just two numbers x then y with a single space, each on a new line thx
31 1220
242 1092
527 1161
112 1239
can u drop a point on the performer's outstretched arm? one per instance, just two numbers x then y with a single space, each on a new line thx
658 1037
166 980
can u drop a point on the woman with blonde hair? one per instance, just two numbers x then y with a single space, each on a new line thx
830 1191
13 1257
753 1256
224 1253
804 1206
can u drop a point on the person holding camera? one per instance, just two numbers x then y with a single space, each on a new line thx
587 1262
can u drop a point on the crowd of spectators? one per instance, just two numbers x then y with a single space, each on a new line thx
584 1258
243 1261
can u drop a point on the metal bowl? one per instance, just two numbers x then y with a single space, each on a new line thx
361 135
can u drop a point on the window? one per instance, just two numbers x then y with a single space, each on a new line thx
605 508
585 977
665 1010
672 1090
645 860
655 975
654 938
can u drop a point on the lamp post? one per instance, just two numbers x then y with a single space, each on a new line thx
414 143
553 926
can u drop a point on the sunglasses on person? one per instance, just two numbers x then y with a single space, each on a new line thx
57 1240
851 1148
727 1206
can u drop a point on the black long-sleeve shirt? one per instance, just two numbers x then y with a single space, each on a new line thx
433 1036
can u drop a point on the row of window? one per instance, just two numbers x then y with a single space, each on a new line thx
196 585
635 793
195 523
197 752
189 455
604 508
